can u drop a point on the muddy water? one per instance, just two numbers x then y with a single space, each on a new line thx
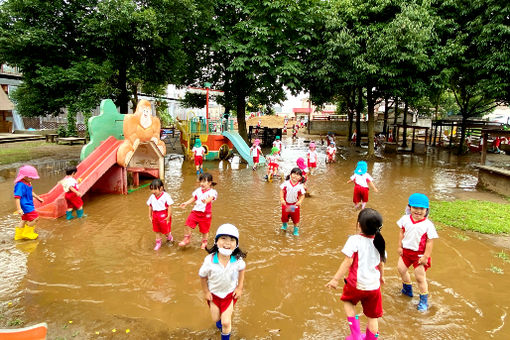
101 274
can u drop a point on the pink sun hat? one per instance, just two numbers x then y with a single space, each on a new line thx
301 163
256 141
26 171
312 145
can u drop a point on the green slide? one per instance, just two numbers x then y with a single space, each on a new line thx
242 147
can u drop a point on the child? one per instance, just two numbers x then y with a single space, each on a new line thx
362 180
255 152
72 195
354 137
331 153
295 129
365 256
300 162
292 194
417 234
278 143
198 155
201 212
24 197
160 212
311 157
222 277
272 164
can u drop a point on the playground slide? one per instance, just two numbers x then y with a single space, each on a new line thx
242 147
90 170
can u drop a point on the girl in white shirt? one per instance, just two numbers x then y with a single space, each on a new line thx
222 277
365 255
160 212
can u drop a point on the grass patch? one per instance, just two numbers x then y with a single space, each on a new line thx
504 256
22 152
461 237
16 322
480 216
496 270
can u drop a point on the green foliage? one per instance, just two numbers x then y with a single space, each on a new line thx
504 256
496 270
480 216
62 131
191 100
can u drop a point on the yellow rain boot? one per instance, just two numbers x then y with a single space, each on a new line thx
18 234
28 233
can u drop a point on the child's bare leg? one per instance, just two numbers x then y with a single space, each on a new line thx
373 325
215 311
363 204
226 319
31 223
402 269
350 309
421 279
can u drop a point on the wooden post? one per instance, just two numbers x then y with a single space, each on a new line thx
451 136
484 147
412 141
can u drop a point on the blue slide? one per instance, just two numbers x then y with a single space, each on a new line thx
242 147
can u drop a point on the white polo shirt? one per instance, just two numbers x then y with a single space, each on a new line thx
312 156
160 203
416 233
200 195
362 180
221 281
363 273
198 151
292 192
68 182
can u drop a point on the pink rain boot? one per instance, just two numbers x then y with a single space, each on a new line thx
185 241
354 326
158 244
371 336
169 237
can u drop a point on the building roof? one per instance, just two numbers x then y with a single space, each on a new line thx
5 103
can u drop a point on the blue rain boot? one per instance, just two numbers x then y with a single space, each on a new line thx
198 172
296 231
423 305
354 326
201 170
284 226
69 215
225 336
80 214
407 289
218 324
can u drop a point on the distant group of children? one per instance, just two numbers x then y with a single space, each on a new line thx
222 272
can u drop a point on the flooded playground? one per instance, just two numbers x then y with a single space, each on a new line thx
99 277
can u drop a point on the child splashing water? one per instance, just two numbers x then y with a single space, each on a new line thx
362 180
365 255
255 152
160 212
311 157
24 197
417 234
201 213
292 194
222 277
272 164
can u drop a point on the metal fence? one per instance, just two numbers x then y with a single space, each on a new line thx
40 123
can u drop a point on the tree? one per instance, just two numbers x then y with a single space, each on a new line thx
252 49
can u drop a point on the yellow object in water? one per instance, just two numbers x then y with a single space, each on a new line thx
18 233
28 233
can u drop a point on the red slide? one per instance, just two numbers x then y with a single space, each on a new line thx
100 165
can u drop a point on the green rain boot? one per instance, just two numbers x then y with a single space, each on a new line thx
79 213
69 215
284 226
296 231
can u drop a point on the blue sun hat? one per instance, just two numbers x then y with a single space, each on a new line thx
361 168
198 143
418 200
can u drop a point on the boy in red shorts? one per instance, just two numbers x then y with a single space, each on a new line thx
72 195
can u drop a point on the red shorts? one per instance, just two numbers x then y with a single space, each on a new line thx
312 165
330 157
73 201
30 216
159 223
411 257
201 218
224 303
360 194
256 159
273 166
371 300
199 160
290 211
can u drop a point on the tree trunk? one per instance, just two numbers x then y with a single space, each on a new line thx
351 102
386 111
241 115
359 109
370 127
460 151
404 125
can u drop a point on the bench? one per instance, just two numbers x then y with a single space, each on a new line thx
51 137
494 178
71 140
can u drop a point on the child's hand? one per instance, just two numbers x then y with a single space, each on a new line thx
237 293
19 212
423 260
400 251
40 199
182 205
332 284
382 280
203 201
208 296
282 201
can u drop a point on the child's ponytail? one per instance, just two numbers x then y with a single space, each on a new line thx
370 222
